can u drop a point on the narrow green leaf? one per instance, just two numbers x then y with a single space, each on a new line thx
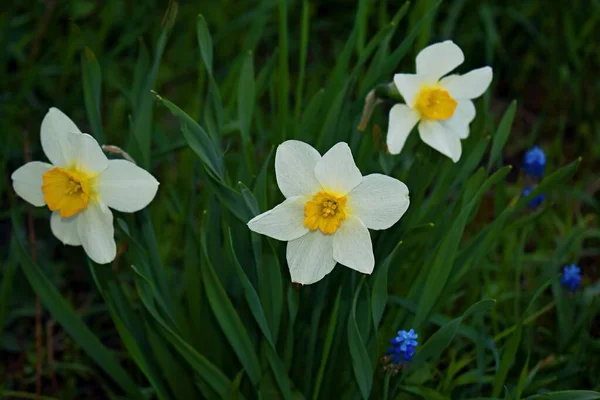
327 344
209 373
92 90
8 273
72 323
549 183
230 322
283 73
196 138
251 296
302 61
445 255
379 295
246 93
205 42
567 395
361 362
501 135
436 344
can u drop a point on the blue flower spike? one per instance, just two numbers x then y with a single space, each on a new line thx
401 351
534 162
571 277
536 201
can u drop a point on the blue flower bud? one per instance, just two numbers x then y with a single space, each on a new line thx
534 162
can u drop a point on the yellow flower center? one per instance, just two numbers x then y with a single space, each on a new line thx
325 211
67 190
434 102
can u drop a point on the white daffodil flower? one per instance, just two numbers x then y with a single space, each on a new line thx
80 185
328 210
441 105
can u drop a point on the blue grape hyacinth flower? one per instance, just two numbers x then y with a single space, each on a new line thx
403 348
571 277
536 201
534 162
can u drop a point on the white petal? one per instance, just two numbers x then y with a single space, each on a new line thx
379 201
402 120
470 85
440 138
27 182
88 153
126 187
409 86
352 246
96 232
336 171
284 222
65 229
294 168
55 130
310 257
467 109
439 59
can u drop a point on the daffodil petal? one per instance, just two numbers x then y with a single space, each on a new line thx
284 222
409 86
379 201
336 171
88 155
126 187
470 85
352 246
442 139
96 232
467 109
65 229
402 120
27 182
54 135
459 122
310 257
439 59
295 163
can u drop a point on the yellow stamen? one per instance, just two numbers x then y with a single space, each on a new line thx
325 211
67 190
435 102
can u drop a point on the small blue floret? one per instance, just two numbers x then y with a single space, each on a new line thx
403 347
536 201
534 162
571 277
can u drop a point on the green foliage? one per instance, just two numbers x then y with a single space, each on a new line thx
197 306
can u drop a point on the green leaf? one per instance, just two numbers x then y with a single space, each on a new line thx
445 255
230 322
143 115
361 362
130 327
205 42
283 73
196 138
72 323
209 373
379 295
92 90
251 296
8 273
549 182
567 395
327 344
501 135
434 346
246 93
